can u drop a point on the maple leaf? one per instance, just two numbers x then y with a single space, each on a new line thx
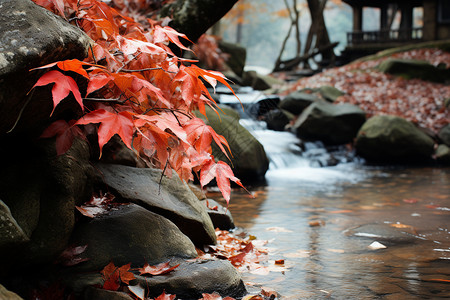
214 296
65 134
70 256
162 33
223 174
110 277
165 296
124 274
159 269
73 65
113 276
200 135
63 86
97 206
57 5
111 123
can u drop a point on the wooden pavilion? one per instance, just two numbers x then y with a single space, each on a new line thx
435 24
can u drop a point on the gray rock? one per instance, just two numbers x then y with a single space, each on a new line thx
8 295
41 191
172 198
249 160
296 102
31 37
393 139
276 119
237 56
10 232
415 69
382 232
198 192
443 154
67 183
329 123
191 279
329 93
220 216
130 234
444 134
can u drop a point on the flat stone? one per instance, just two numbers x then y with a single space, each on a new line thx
193 278
382 232
130 234
220 216
169 197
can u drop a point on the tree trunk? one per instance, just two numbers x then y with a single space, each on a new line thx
318 34
195 17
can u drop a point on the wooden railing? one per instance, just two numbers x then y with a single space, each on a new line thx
384 36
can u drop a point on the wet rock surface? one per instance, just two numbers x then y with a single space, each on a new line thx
170 198
387 138
190 278
249 160
220 216
382 232
31 37
331 124
130 234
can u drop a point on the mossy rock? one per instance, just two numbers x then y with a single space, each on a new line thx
394 140
409 69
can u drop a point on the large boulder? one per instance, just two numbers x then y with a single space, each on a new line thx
393 139
415 69
31 37
444 134
329 123
193 278
169 197
237 56
277 119
249 160
130 234
41 191
296 102
442 154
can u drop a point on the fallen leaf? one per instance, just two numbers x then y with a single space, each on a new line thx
278 229
279 262
316 223
70 256
268 293
165 296
159 269
410 201
336 250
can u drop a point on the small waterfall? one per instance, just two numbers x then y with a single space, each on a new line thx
290 158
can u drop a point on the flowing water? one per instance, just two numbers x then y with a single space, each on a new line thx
307 214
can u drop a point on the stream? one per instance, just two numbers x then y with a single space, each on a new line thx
308 215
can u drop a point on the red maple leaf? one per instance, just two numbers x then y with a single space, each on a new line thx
163 33
165 296
64 132
159 269
111 123
223 174
63 86
114 276
201 135
73 65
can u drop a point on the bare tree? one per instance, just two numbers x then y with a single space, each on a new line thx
317 42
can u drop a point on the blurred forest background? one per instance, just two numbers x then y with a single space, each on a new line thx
261 26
